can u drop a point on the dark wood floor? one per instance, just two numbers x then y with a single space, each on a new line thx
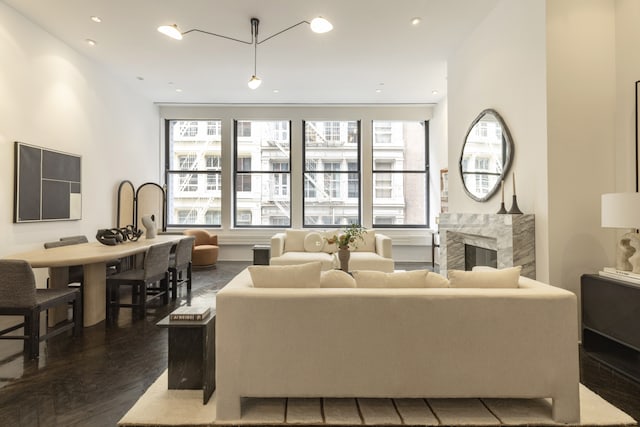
93 380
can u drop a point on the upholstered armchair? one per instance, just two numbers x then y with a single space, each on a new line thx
205 248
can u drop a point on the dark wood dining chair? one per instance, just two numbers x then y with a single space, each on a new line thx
19 297
180 265
147 283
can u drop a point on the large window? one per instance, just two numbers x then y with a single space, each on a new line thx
262 173
331 173
193 172
400 174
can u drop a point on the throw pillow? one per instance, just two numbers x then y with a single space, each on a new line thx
313 242
294 240
505 278
407 279
435 280
286 276
368 244
336 279
370 279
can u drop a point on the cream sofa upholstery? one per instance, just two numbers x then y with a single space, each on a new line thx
289 248
396 343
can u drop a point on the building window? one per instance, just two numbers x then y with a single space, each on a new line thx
263 177
193 172
400 173
482 164
331 173
383 181
213 128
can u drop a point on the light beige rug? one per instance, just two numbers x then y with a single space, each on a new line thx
162 407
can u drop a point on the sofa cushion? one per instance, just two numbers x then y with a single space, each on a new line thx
294 240
336 279
505 278
289 258
370 261
313 242
286 276
398 279
368 242
435 280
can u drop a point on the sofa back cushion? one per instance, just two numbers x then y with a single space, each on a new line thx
399 279
294 240
505 278
336 279
286 276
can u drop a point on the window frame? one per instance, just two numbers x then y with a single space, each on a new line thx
346 171
204 173
253 171
426 173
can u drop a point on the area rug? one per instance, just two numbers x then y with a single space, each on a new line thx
162 407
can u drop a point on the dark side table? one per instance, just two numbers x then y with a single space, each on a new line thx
261 254
192 354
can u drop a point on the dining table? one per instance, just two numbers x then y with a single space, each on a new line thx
93 256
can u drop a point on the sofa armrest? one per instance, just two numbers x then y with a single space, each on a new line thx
383 245
277 245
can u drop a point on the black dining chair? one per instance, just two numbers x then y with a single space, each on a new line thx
19 297
180 265
147 283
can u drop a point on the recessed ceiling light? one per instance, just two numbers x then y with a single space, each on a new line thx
178 90
434 92
91 42
276 91
96 19
378 90
416 21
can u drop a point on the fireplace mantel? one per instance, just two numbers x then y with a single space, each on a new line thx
512 236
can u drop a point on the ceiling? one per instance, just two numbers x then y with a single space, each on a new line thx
373 55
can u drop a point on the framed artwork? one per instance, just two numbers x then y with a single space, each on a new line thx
46 185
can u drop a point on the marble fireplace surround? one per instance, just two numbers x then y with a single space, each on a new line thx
511 236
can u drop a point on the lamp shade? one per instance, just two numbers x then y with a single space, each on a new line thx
620 210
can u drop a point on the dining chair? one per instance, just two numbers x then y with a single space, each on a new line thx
19 297
147 283
180 264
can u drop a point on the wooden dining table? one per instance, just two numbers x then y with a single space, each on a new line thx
93 256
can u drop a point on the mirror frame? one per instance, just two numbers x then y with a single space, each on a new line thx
507 145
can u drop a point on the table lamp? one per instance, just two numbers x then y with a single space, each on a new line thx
622 210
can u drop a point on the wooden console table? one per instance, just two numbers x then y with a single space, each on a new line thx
610 323
192 354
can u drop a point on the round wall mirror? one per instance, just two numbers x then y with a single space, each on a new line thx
486 155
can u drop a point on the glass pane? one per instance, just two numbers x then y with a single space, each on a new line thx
261 143
195 198
399 199
194 144
331 198
263 199
328 143
403 143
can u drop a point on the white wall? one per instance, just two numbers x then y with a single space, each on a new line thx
54 97
502 65
581 96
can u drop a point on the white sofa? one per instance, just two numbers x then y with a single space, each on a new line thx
302 246
397 343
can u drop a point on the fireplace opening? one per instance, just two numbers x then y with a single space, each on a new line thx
475 255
